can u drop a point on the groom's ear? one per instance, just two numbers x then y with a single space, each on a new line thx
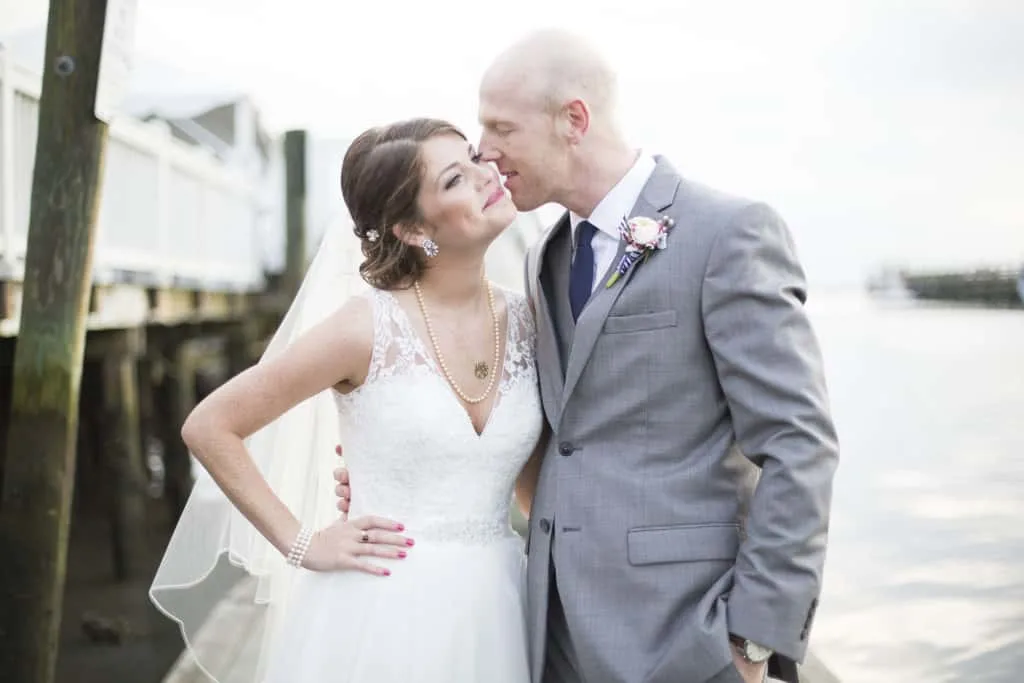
576 116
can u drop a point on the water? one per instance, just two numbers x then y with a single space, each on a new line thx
925 573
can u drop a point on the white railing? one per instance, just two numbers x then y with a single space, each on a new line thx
171 214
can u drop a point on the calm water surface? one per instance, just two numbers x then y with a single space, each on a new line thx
925 573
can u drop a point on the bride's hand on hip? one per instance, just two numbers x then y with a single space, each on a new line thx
348 545
343 490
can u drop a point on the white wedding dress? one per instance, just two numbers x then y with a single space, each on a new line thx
453 611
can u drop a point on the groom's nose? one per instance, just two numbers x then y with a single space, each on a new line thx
487 150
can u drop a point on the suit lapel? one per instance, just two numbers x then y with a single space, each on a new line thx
658 194
549 358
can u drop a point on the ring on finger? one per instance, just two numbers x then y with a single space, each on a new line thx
365 538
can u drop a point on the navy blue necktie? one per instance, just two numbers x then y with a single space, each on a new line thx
581 276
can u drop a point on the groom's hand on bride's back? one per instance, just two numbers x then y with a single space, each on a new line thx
341 489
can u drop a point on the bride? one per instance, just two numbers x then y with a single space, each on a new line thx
430 377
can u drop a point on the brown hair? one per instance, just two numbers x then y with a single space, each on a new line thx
380 182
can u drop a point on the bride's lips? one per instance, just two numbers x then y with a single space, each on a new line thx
496 196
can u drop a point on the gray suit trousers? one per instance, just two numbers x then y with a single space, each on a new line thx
560 656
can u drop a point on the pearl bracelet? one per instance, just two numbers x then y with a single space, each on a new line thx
299 547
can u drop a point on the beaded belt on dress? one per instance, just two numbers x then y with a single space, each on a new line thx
475 531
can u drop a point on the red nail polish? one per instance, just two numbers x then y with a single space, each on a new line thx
386 572
409 542
400 527
401 553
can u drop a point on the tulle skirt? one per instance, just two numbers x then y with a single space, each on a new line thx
449 613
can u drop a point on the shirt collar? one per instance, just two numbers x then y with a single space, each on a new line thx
616 205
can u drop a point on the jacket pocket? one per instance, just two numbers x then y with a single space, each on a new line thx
683 543
639 322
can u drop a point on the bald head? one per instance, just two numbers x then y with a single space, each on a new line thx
547 110
557 67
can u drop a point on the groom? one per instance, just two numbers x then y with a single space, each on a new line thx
678 527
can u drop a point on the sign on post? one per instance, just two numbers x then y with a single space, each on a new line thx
116 57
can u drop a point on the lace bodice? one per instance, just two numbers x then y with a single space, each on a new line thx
411 449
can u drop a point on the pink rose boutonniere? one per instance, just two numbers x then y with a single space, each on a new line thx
642 235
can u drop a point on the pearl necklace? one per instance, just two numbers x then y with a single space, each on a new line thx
440 356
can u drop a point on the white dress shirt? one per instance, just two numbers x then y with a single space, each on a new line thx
610 211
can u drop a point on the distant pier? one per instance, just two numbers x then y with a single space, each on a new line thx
989 287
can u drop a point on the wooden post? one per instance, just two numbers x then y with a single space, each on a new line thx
174 401
148 430
122 452
39 470
6 368
238 340
295 206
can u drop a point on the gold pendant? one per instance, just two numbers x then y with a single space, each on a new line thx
481 370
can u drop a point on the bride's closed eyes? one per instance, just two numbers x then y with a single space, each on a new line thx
474 157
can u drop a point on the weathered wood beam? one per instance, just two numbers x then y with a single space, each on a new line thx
41 440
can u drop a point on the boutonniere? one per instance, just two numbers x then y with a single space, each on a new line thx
642 235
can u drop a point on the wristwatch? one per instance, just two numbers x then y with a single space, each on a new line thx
751 651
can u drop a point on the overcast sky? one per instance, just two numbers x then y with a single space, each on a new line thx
883 130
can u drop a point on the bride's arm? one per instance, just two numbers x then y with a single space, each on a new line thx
526 483
337 351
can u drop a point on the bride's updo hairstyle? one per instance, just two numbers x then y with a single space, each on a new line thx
380 182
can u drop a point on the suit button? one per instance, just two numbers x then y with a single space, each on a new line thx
565 448
545 526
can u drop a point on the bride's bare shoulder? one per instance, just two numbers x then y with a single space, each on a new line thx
351 328
335 347
356 312
329 349
351 323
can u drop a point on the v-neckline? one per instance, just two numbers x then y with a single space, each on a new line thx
435 369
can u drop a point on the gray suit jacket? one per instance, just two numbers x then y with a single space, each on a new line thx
685 492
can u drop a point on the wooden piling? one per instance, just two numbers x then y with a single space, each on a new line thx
295 208
174 401
6 372
122 450
40 462
149 433
239 342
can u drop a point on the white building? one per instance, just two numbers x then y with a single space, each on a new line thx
193 189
